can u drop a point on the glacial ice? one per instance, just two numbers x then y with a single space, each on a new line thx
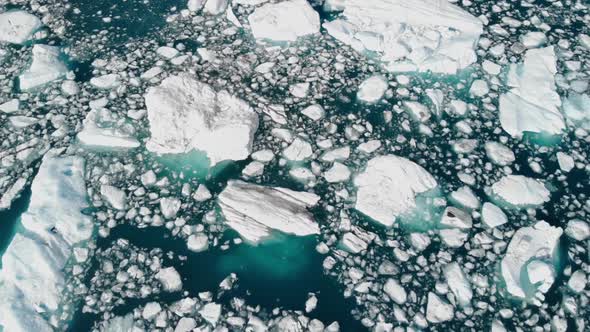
45 68
284 21
31 279
186 115
102 128
537 243
388 186
429 35
519 190
532 104
18 27
255 211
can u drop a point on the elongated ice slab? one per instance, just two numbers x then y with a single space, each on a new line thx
419 35
388 186
31 280
255 211
186 115
520 190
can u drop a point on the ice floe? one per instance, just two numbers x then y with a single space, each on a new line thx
519 190
372 89
18 27
187 115
255 211
284 21
103 128
47 66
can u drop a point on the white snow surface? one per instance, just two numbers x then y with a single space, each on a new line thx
31 279
284 21
419 35
186 115
520 190
537 243
532 105
18 27
45 68
102 128
388 186
372 89
255 211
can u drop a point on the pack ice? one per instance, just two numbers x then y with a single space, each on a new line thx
388 187
284 21
185 115
421 35
18 27
532 105
45 68
528 268
31 279
255 211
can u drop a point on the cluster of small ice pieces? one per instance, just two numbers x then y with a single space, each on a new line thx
408 138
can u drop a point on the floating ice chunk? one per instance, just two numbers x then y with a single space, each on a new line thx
46 67
32 266
284 21
395 291
311 304
202 194
578 230
438 310
249 2
254 211
108 81
492 216
466 197
479 88
298 150
211 313
185 324
565 161
170 279
353 243
520 190
533 39
167 52
195 5
577 281
576 107
538 243
187 115
114 196
102 128
417 110
151 310
388 186
10 106
429 35
372 89
456 218
198 242
215 7
532 105
253 169
18 27
314 112
169 207
299 90
120 324
458 284
338 173
499 153
12 192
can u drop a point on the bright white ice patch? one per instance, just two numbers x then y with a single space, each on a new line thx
45 68
372 89
18 27
520 190
103 128
284 21
187 115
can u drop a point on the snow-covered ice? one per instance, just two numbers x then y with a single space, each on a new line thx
18 27
372 89
519 190
537 243
438 310
458 284
532 104
187 115
388 186
428 35
170 279
284 21
47 66
102 128
492 216
255 211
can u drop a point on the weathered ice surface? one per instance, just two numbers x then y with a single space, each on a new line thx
187 115
45 68
104 129
18 27
532 105
520 190
31 279
426 35
255 211
284 21
388 186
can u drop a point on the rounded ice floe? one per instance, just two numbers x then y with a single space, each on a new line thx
372 89
170 279
198 242
388 187
538 243
46 67
578 230
255 211
519 190
499 153
18 27
186 115
438 310
284 21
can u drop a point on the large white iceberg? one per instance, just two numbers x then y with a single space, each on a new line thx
255 211
528 268
532 104
185 115
284 21
18 27
47 66
31 279
102 128
388 186
417 35
519 190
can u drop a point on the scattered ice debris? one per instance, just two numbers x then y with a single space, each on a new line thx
255 211
529 265
284 21
532 105
388 187
429 35
18 27
519 190
372 89
187 115
47 66
103 128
